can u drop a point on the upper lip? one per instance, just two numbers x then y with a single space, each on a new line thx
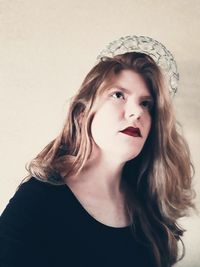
132 131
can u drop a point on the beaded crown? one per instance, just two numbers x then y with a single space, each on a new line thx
151 47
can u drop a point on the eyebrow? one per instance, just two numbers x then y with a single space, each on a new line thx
146 97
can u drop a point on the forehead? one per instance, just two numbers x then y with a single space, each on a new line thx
127 80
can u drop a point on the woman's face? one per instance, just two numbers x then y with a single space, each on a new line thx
122 123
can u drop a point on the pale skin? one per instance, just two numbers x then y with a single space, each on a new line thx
98 186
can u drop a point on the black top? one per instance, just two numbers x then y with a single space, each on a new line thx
45 225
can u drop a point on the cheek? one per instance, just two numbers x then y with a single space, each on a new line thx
105 123
99 125
107 115
148 122
99 128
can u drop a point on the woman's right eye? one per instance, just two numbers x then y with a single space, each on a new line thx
118 95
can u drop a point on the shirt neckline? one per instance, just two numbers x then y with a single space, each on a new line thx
86 212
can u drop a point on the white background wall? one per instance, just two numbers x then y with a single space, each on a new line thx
46 49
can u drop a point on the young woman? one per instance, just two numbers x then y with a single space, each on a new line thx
108 191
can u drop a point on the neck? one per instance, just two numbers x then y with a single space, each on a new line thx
102 173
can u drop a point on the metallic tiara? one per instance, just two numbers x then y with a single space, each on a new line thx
151 47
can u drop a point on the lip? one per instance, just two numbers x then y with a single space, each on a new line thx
132 131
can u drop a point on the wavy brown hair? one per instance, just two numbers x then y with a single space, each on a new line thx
158 180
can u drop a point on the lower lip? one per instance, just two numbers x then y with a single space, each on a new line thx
131 134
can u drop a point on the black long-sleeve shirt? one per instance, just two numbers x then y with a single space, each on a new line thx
45 226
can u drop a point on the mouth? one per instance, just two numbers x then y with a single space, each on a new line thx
135 132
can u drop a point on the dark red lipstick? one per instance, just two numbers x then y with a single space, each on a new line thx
135 132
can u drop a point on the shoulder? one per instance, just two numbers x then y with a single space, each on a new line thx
37 207
34 187
27 200
27 222
35 197
31 192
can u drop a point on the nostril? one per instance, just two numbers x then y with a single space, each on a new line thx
134 116
131 115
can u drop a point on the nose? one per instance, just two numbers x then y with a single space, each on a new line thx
133 112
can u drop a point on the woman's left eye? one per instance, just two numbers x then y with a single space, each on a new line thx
147 104
118 95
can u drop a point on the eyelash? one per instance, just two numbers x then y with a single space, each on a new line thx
118 92
145 103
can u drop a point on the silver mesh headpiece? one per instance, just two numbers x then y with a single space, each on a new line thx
151 47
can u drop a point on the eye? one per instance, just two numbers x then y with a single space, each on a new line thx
118 95
148 104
